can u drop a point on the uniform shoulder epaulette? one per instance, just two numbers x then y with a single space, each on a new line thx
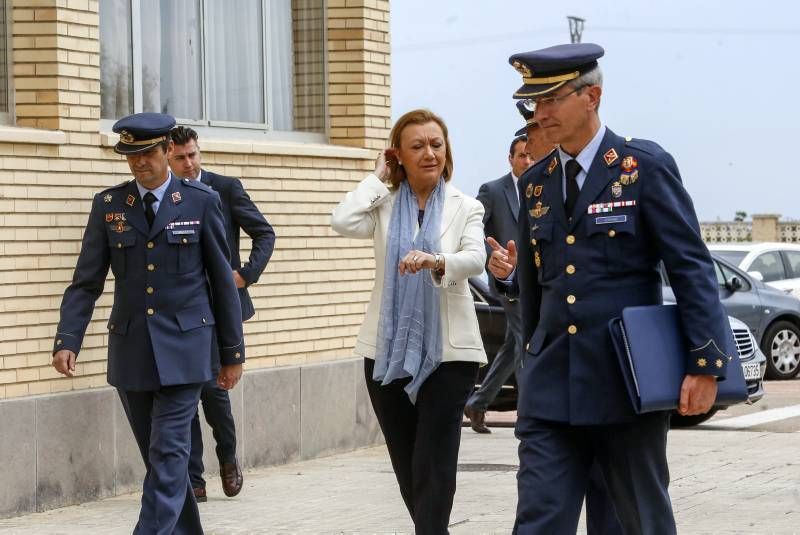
118 186
644 145
196 184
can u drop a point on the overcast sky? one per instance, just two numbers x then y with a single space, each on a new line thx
715 83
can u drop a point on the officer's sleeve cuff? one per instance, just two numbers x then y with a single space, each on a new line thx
66 341
232 355
707 360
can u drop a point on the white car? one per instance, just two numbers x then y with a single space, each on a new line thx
777 264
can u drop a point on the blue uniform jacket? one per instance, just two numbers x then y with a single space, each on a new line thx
573 277
172 285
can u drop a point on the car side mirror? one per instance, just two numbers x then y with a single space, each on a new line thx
756 275
734 284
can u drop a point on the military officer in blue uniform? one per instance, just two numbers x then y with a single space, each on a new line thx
596 218
164 239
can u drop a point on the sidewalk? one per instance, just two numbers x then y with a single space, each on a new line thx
722 482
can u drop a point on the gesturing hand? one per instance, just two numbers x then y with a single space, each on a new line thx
415 261
502 261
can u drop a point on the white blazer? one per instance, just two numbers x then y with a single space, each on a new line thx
365 213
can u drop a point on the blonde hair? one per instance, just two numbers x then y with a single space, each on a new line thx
421 116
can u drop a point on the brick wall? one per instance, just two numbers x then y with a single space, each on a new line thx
311 299
359 72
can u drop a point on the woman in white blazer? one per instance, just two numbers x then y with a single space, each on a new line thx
420 337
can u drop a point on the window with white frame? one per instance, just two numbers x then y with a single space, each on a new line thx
6 102
256 64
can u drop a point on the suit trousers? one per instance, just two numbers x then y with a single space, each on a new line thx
505 361
217 409
556 460
423 438
160 421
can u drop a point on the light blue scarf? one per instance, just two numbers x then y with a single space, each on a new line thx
409 327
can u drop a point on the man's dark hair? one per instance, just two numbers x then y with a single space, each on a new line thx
521 139
181 135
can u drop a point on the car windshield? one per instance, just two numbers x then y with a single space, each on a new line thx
734 257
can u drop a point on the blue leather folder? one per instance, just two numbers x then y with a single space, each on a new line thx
652 354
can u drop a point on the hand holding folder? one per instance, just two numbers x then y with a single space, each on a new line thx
652 354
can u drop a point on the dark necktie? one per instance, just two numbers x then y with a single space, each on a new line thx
572 169
149 199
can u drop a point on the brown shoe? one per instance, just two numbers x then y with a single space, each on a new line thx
477 420
232 479
200 494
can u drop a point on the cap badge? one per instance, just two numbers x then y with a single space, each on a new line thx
126 137
537 191
616 190
629 163
131 200
610 156
176 197
523 69
528 191
539 210
107 198
552 165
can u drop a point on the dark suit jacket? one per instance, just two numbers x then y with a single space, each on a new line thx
240 213
575 275
172 284
501 206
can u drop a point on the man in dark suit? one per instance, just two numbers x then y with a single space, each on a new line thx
501 203
596 219
240 213
164 240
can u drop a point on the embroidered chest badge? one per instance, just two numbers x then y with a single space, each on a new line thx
610 157
630 171
538 210
528 191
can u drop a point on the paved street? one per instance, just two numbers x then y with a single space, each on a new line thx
739 473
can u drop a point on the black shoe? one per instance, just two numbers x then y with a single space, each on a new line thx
232 479
477 420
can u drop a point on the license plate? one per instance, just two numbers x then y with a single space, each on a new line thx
751 370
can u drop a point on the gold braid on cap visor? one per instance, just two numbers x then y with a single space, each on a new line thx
558 80
127 138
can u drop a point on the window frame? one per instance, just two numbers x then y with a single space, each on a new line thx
780 263
9 118
229 129
787 264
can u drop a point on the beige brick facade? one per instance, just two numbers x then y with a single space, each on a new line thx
311 299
